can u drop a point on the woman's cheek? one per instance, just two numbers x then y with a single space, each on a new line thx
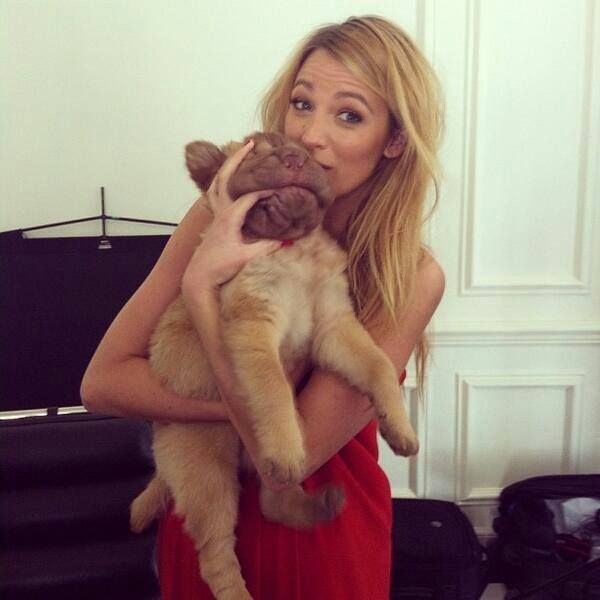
337 184
291 127
332 182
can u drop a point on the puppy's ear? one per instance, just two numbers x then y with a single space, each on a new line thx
203 160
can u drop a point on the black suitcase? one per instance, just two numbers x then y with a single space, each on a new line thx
436 553
532 554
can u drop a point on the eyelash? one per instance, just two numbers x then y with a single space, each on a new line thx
300 105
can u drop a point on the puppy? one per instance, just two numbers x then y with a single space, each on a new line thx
279 310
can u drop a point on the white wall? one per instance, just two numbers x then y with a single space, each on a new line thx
108 92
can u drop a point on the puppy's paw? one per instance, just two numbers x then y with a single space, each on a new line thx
283 471
399 435
281 454
285 467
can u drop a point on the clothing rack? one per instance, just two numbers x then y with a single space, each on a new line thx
104 242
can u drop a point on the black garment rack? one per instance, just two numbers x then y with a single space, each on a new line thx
104 242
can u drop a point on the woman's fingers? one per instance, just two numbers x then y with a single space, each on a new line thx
218 196
239 210
244 203
233 162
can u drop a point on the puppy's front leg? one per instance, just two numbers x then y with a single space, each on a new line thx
253 345
344 346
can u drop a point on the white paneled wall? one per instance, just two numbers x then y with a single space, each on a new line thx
514 386
107 93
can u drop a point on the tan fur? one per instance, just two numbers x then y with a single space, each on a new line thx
277 311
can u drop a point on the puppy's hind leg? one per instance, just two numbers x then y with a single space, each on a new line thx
199 462
210 519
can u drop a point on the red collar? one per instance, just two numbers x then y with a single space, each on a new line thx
285 243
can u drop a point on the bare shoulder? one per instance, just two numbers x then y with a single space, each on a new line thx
183 242
430 283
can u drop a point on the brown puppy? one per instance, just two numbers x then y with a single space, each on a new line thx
277 311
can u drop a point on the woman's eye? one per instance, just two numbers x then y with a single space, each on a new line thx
300 104
350 116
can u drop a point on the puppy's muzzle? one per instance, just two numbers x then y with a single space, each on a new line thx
301 196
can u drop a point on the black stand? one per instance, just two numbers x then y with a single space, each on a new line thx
104 242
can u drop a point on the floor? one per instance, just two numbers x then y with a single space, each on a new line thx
494 591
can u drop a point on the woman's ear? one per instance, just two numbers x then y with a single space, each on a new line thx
396 144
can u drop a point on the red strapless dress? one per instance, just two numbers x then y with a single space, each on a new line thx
347 559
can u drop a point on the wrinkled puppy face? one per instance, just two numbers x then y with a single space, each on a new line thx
301 192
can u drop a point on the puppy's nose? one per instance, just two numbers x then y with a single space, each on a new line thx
293 159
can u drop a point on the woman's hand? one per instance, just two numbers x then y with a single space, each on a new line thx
223 251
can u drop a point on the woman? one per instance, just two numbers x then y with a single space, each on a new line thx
364 101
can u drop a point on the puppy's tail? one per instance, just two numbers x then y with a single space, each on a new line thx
295 508
149 505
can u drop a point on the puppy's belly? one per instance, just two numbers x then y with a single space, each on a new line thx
296 347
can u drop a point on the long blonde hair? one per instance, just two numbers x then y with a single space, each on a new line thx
384 235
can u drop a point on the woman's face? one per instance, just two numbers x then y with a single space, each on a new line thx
344 125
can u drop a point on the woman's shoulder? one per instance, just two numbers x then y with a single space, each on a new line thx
185 239
193 224
431 280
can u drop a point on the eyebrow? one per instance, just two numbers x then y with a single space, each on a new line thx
342 94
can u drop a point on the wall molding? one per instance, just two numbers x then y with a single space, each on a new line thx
571 382
558 286
469 147
514 333
578 282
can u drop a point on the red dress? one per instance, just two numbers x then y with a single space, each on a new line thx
347 559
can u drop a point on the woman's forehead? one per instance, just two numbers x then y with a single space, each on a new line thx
322 67
322 72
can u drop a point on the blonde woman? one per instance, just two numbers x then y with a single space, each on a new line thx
363 100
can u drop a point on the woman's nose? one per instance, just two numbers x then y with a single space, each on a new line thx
313 134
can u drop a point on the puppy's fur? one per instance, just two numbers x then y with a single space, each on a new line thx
278 310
